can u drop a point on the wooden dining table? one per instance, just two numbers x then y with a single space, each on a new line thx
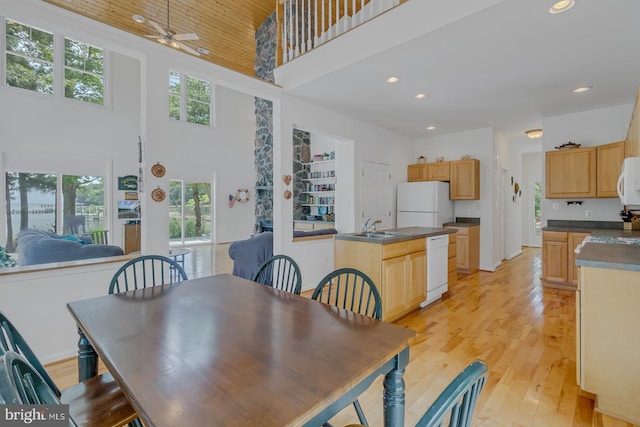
222 350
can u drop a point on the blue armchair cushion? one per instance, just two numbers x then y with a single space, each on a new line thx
249 254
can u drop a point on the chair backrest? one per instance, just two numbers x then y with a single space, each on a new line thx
350 289
458 401
76 224
100 237
12 341
22 384
280 272
146 271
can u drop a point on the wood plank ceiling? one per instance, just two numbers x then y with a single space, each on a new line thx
226 27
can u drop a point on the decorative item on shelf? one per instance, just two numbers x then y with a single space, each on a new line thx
422 160
158 195
305 154
568 146
158 170
465 157
242 195
318 157
439 159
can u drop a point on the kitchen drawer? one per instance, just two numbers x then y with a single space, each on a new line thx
452 249
555 236
393 250
416 245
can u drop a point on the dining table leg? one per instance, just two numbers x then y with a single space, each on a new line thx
393 394
87 358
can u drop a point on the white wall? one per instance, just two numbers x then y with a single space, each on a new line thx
531 168
370 143
589 128
479 144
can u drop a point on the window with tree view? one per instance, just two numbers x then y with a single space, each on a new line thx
189 99
29 57
32 202
83 68
189 211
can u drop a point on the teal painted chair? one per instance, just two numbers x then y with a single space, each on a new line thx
280 272
146 271
21 384
352 290
97 402
457 402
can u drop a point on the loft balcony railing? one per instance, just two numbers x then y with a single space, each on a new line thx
306 24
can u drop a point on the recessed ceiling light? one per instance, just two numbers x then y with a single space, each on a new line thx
582 89
138 18
431 128
561 6
421 95
393 79
203 51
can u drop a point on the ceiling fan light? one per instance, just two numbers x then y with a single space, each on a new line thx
534 133
138 18
561 6
162 40
175 44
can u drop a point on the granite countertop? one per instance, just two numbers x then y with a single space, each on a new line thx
613 256
582 226
464 222
395 234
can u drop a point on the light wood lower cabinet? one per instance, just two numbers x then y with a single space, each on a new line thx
467 248
132 237
559 257
399 271
452 264
608 344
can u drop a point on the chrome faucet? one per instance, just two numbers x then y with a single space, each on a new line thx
368 225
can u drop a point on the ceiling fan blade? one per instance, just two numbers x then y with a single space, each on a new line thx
188 49
187 36
153 36
158 27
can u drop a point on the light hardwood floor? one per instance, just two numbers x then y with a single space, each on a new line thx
522 330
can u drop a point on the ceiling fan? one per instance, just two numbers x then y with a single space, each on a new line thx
169 37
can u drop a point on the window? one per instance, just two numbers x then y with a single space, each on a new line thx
83 68
32 202
189 99
189 212
29 55
30 64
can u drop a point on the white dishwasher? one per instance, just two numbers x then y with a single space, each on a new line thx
437 263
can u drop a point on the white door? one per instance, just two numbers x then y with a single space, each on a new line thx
376 193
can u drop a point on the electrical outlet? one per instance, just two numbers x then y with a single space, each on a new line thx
555 206
588 213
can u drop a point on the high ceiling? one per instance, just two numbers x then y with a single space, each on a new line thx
226 27
504 64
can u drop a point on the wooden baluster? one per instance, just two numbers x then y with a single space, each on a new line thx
290 41
316 38
322 39
303 40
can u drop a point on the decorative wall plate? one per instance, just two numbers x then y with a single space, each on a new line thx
158 170
158 195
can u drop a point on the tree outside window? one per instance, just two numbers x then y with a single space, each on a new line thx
29 57
189 99
83 72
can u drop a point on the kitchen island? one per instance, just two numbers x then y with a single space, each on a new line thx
396 261
607 319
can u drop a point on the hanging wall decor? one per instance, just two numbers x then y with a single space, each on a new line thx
158 195
158 170
242 195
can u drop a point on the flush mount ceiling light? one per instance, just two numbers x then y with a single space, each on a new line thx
534 133
431 128
561 6
138 18
421 95
393 79
582 89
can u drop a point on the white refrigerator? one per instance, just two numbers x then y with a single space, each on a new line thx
423 204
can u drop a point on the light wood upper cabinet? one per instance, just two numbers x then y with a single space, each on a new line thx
438 171
609 162
465 179
571 173
632 143
417 173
